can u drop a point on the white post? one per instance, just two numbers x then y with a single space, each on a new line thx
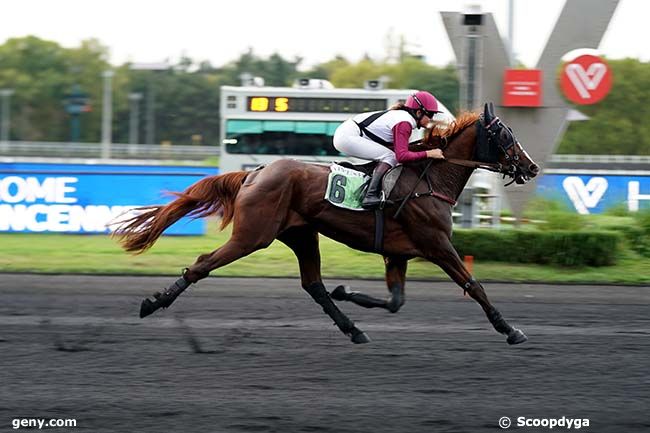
470 85
511 32
5 95
150 115
134 119
107 114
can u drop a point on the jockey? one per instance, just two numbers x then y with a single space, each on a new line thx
370 136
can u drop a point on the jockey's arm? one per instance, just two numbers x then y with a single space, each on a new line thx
401 134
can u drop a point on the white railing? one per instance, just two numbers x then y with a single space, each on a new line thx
633 159
117 150
192 152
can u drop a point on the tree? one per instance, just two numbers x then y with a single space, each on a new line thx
42 73
414 73
411 73
87 63
187 106
354 75
325 70
275 70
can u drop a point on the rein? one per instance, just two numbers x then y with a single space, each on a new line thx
465 162
491 129
474 164
429 193
469 162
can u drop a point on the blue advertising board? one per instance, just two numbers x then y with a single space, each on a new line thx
595 193
79 198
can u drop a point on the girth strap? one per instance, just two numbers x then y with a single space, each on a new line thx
429 193
379 230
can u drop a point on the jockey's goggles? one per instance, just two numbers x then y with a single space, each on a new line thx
430 114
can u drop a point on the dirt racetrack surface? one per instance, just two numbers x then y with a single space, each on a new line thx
258 355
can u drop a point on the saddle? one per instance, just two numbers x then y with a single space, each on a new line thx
388 182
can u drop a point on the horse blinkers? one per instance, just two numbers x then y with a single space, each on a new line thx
499 138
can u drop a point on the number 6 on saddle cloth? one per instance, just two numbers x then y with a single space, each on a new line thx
347 184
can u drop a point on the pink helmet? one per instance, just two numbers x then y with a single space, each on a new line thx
422 101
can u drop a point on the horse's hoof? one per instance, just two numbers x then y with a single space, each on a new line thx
146 308
393 307
396 299
339 294
359 337
516 337
394 304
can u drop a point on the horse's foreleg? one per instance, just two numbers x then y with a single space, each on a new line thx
343 293
395 279
448 259
304 243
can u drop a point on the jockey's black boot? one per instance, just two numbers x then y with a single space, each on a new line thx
373 198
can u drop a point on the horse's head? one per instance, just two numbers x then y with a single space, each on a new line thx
496 144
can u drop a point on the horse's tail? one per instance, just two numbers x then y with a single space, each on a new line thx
204 198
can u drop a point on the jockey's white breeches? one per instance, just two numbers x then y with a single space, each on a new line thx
348 140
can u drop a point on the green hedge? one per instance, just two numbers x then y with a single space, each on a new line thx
636 232
563 248
638 239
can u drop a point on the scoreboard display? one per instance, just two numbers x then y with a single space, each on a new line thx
262 124
287 104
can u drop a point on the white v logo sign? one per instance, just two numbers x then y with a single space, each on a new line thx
584 81
584 196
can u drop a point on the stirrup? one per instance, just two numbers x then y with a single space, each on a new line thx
379 204
382 198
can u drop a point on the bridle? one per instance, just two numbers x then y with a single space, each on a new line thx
488 145
511 149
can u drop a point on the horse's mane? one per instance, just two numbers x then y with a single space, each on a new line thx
435 136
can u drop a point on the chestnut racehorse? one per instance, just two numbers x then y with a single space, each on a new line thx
284 201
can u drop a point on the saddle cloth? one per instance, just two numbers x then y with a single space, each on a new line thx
347 185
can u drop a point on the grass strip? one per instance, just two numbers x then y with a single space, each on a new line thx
99 254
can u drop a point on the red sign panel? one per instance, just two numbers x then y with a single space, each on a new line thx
522 88
586 80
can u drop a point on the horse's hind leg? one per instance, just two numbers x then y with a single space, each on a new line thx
260 212
246 238
229 252
395 280
447 258
304 243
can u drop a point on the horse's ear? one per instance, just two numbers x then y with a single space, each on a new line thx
487 113
491 108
